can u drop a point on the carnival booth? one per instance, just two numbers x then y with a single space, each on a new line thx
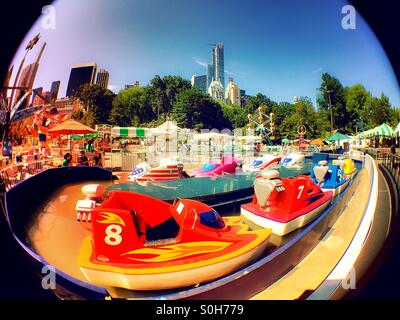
379 136
169 141
396 135
211 146
339 141
130 138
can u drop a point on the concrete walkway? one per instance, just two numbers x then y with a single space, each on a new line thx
316 267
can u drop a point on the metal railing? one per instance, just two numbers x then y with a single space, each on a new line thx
392 164
17 172
390 161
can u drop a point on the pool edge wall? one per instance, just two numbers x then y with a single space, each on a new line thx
27 196
240 285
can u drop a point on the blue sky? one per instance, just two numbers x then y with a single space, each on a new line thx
279 48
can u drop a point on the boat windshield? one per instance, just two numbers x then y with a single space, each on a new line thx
212 219
208 166
286 160
137 170
256 163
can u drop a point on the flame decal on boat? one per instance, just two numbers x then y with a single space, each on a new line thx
111 218
177 251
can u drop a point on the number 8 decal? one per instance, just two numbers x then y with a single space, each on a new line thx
113 235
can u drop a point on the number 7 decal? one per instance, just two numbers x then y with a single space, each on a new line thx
301 188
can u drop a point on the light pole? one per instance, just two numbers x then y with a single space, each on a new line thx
330 108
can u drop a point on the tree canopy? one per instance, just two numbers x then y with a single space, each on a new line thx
97 102
353 107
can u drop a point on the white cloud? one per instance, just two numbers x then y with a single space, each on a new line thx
317 70
201 63
114 88
231 73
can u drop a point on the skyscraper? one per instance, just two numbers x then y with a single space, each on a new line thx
210 74
55 87
218 64
28 76
103 76
216 91
200 82
232 93
80 75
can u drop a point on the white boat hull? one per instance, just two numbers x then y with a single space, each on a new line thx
338 190
280 228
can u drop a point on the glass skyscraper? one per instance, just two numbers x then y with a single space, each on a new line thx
200 82
216 70
81 74
218 63
210 74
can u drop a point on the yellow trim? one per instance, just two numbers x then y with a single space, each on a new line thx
110 218
261 236
178 251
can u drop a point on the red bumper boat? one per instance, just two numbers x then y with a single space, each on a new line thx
141 243
285 204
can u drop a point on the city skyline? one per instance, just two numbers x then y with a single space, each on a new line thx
280 59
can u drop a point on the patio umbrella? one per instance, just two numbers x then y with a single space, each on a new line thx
71 127
337 137
317 142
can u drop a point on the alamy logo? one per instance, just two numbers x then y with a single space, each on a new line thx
49 277
350 281
349 20
48 17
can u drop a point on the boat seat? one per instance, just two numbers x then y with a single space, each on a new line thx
139 224
320 171
263 188
167 230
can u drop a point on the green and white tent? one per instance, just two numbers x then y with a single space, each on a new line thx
129 132
384 130
396 131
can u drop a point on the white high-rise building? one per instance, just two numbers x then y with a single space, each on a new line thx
216 90
232 93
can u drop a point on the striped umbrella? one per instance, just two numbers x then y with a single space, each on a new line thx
129 132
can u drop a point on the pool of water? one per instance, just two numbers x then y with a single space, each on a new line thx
202 186
55 235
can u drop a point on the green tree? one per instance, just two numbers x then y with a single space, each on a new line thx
379 111
235 115
131 107
357 100
259 100
281 111
97 103
304 114
196 110
163 92
332 93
